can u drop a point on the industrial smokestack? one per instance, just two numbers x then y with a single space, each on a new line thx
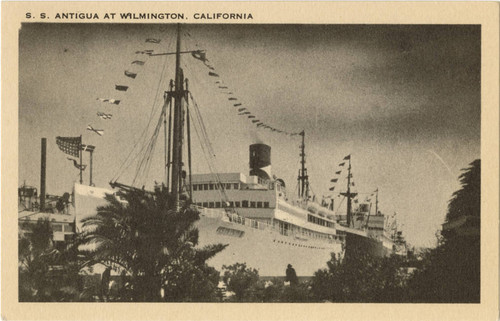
42 173
260 160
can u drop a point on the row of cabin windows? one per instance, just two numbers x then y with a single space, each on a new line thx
245 204
287 228
211 187
319 221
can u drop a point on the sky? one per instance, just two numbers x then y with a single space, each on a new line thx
403 100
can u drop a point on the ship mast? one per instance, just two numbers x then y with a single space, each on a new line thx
348 194
303 178
178 94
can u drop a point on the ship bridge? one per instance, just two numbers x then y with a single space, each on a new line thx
252 196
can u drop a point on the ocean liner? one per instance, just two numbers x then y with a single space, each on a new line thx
263 225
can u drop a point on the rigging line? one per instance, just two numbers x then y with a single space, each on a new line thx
142 136
203 126
205 82
194 75
211 162
204 145
145 163
150 147
338 207
206 154
285 132
204 142
149 161
200 120
122 168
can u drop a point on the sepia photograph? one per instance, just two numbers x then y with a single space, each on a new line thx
206 158
249 163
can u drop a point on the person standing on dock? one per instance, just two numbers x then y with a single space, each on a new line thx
291 276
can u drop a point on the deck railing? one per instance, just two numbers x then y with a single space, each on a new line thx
235 218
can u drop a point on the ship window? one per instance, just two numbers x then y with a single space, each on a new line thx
56 227
266 204
205 204
217 204
231 204
252 204
283 228
236 186
244 204
216 186
211 186
228 185
236 204
205 187
211 204
259 204
195 187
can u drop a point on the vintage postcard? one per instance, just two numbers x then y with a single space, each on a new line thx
250 160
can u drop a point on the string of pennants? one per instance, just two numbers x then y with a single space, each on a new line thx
336 179
237 104
368 199
339 172
129 73
73 145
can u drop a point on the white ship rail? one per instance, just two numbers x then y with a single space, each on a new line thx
233 218
255 224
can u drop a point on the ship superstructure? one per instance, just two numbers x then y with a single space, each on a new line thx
261 225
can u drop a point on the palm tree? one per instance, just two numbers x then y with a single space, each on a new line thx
46 273
144 234
467 200
452 271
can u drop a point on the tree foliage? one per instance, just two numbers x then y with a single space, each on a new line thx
248 287
145 235
362 278
451 272
240 280
46 273
467 200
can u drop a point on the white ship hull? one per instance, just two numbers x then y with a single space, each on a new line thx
259 246
263 248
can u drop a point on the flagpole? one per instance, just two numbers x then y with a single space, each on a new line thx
81 154
43 166
349 194
169 145
188 125
91 152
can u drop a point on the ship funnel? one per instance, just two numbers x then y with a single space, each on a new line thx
260 160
